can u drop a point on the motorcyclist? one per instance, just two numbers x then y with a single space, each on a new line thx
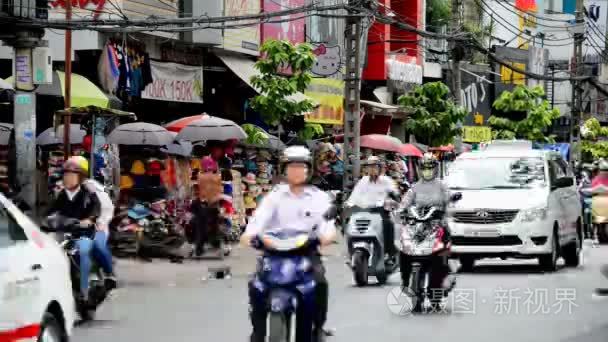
77 202
429 191
372 189
300 206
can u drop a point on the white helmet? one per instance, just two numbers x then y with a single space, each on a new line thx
603 165
297 154
372 160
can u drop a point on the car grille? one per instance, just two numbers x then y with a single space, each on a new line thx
485 216
505 240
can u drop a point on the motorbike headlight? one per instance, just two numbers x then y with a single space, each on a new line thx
534 214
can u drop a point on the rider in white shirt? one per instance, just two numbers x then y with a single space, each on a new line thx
370 192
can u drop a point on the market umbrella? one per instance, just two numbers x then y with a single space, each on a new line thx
211 128
422 147
179 124
140 133
410 150
181 148
5 133
84 92
52 136
381 142
447 148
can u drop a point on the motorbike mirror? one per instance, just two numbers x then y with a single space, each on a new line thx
456 197
331 213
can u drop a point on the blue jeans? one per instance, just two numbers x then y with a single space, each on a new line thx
98 248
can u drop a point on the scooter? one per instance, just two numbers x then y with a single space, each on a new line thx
365 241
285 282
98 289
421 239
600 223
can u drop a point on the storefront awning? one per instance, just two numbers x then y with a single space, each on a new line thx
244 68
377 108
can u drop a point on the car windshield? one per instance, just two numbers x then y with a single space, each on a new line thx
10 231
496 173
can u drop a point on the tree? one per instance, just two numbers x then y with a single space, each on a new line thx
537 111
591 132
276 102
255 135
435 116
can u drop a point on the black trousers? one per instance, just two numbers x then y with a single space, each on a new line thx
389 232
258 314
439 269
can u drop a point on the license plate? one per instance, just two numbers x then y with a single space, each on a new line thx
483 232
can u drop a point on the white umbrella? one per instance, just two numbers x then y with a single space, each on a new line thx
181 148
211 128
52 136
140 133
5 133
5 85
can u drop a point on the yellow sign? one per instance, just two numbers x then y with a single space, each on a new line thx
509 76
329 93
476 134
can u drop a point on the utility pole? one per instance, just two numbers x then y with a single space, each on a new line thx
577 88
352 105
68 83
456 57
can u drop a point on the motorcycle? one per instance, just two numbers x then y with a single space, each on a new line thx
365 241
285 281
98 289
599 222
422 241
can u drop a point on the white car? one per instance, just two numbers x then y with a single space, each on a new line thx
36 302
516 202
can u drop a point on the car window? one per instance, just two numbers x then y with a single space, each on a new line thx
10 231
557 170
566 167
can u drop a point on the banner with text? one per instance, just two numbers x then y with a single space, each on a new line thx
175 82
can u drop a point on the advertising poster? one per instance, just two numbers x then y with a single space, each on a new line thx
246 39
293 31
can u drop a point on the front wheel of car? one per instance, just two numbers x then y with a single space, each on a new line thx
548 262
572 252
51 330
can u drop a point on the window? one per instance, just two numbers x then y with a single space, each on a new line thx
566 167
10 231
557 170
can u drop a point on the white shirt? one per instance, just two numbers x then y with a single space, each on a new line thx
107 207
282 209
368 194
72 194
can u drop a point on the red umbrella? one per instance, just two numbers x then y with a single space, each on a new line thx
381 142
179 124
410 150
448 148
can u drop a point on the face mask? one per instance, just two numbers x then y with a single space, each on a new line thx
427 173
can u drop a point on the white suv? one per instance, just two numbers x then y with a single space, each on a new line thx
516 202
36 302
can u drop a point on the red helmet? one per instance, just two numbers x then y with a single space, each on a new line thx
208 165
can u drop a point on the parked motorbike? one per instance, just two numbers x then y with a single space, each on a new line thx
285 282
365 241
98 289
421 239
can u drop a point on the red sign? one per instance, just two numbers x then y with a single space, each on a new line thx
526 5
99 5
292 30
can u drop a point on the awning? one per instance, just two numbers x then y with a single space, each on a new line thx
244 68
377 108
383 95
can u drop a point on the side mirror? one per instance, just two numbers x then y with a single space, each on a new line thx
563 182
456 197
331 213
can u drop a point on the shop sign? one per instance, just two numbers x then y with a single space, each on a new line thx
328 61
96 5
476 134
175 82
403 68
288 29
183 56
247 39
329 93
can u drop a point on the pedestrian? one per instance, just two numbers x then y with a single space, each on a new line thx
207 210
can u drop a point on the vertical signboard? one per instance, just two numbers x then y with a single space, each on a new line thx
537 64
596 26
293 31
327 88
245 39
510 78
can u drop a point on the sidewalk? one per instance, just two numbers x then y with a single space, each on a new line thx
162 273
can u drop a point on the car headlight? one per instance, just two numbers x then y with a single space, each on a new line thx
534 214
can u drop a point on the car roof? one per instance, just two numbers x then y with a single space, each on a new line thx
508 153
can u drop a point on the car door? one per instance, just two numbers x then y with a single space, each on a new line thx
22 274
571 199
556 197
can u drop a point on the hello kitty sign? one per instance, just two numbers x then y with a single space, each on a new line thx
329 60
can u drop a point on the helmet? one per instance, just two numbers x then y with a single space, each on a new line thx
208 165
77 164
297 154
603 165
428 166
372 161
